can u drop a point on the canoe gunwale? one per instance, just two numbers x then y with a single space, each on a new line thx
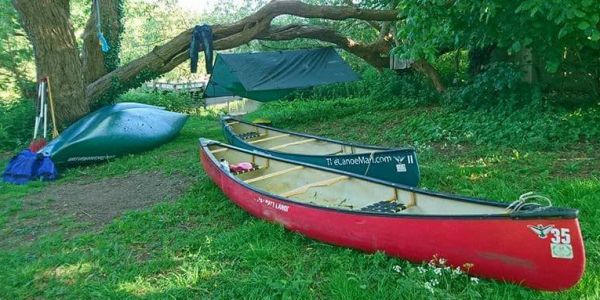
224 124
549 213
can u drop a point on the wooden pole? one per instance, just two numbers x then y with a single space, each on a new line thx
54 130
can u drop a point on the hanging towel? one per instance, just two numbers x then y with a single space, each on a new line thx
202 34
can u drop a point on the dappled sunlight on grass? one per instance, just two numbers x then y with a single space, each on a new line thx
69 273
193 270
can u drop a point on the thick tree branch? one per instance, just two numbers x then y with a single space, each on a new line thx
166 57
299 9
373 24
371 53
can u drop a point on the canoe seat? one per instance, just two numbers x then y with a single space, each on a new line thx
248 135
385 207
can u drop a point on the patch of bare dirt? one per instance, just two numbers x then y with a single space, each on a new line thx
91 203
569 166
101 201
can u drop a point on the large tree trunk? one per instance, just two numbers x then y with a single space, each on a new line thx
50 31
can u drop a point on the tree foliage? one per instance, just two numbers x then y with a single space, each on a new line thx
560 34
15 56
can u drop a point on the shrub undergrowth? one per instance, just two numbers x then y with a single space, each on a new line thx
16 124
173 101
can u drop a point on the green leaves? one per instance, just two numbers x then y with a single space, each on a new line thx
583 25
552 66
548 29
516 47
595 36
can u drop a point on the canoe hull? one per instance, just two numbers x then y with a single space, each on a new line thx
392 165
494 246
114 131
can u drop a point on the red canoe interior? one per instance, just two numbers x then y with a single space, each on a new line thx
333 190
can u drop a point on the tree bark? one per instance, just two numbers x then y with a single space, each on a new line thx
95 62
371 53
428 70
50 31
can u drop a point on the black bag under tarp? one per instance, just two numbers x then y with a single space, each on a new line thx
268 76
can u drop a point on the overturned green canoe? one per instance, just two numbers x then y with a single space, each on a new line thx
113 131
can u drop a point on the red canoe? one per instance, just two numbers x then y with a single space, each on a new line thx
536 246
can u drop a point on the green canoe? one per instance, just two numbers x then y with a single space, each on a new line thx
113 131
396 165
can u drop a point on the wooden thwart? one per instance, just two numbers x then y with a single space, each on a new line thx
268 139
292 144
219 150
412 200
305 188
266 176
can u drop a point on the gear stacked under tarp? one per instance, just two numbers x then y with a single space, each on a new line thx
269 76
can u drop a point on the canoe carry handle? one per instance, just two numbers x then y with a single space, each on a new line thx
525 200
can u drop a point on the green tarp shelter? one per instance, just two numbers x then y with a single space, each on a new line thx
268 76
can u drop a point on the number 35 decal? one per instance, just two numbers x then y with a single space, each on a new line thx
560 236
560 241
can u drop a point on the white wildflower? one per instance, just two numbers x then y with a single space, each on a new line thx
434 282
475 280
442 261
421 270
397 268
457 271
437 271
429 287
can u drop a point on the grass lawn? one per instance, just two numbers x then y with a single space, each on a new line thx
200 245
